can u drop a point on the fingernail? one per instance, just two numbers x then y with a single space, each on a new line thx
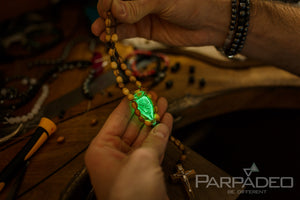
159 133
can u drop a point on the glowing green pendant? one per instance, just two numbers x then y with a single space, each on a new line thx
145 106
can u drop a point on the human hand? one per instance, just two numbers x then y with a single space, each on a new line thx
173 22
124 159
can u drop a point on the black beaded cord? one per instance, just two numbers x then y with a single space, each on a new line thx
13 99
241 29
238 29
232 26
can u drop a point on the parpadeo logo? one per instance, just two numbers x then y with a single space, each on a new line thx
258 184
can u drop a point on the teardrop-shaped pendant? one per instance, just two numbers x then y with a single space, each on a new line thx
144 108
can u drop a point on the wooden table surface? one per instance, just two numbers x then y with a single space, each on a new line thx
226 90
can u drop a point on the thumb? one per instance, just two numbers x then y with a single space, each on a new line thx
133 11
157 140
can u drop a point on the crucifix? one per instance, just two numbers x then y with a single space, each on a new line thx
184 178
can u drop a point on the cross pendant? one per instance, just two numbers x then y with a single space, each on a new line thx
184 176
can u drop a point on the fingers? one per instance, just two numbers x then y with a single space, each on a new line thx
98 26
162 105
127 11
117 122
157 140
135 126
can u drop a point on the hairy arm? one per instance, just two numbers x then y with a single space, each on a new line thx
273 36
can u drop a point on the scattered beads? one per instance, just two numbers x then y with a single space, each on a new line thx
93 122
60 139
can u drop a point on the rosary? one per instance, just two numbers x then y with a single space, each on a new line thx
141 101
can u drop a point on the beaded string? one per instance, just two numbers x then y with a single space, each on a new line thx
182 174
140 100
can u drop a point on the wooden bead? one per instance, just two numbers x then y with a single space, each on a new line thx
107 38
111 52
114 65
141 119
130 97
60 139
183 157
121 85
125 91
156 109
177 142
128 72
138 93
114 37
147 123
119 79
123 66
93 122
138 83
107 22
172 139
157 117
116 72
132 78
137 112
149 95
134 105
108 31
181 147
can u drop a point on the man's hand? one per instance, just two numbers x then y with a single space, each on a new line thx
124 159
173 22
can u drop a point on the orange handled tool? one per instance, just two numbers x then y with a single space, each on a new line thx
45 128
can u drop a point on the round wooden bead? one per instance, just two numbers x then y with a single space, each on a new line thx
125 91
108 31
114 65
137 112
119 79
149 95
132 78
172 139
130 97
107 38
111 52
177 142
107 22
93 122
141 119
114 37
116 72
138 83
123 66
121 85
147 123
134 105
183 157
157 117
60 139
128 72
181 147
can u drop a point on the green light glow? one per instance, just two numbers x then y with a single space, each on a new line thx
145 106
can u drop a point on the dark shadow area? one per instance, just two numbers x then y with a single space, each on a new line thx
268 138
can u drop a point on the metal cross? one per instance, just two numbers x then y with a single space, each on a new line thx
184 177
